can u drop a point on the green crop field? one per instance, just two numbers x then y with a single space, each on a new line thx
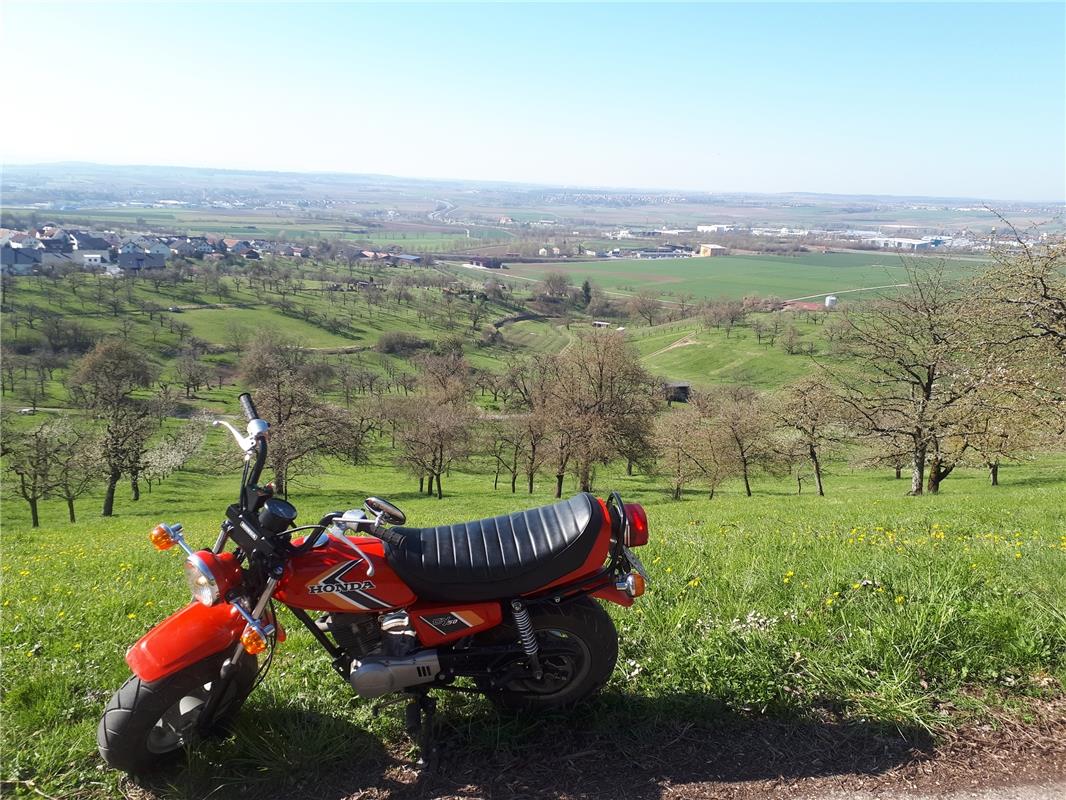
911 613
787 277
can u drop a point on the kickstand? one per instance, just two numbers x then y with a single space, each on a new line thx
421 727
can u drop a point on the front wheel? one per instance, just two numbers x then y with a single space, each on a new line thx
146 723
578 647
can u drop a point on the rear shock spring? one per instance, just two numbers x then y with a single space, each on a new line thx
526 636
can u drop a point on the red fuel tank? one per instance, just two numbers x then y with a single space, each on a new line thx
335 578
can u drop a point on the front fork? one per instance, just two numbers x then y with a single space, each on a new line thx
229 666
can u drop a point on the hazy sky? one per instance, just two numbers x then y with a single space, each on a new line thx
953 99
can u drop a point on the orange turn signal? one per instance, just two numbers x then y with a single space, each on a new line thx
160 538
252 642
634 584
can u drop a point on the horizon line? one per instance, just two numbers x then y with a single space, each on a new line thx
618 188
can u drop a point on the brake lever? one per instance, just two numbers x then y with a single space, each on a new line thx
246 443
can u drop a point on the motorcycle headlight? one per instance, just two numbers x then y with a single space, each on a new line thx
211 576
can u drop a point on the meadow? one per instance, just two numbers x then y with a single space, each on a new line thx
865 606
788 277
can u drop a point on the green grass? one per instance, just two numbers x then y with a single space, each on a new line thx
906 612
537 336
787 277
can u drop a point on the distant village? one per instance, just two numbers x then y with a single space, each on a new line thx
50 247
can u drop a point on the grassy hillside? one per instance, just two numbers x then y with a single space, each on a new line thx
908 612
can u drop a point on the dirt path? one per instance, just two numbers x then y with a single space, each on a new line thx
847 291
718 755
684 340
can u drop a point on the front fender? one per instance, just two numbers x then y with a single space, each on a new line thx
183 638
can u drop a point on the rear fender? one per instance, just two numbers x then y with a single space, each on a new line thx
614 595
185 637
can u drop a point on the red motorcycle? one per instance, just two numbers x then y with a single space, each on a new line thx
504 605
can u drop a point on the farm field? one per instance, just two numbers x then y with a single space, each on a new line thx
787 277
912 614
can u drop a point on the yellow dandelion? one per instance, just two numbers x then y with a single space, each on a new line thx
669 569
829 601
131 616
899 599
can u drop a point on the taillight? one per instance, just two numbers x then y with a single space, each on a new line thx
211 576
637 532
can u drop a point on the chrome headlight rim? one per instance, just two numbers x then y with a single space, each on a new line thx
202 581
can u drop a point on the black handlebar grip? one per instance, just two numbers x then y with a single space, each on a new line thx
248 407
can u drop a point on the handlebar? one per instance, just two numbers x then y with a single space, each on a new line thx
248 407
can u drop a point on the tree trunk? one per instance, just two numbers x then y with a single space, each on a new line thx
629 466
918 470
440 491
70 509
899 471
529 481
817 470
586 479
993 473
937 473
799 483
35 520
747 483
559 485
932 484
514 482
135 487
109 494
496 477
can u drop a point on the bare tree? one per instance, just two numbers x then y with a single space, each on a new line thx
808 411
237 336
29 458
601 405
78 468
434 432
556 284
289 383
743 429
104 382
645 304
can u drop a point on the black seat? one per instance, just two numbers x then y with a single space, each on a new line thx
498 557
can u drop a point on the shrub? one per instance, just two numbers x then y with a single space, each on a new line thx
400 343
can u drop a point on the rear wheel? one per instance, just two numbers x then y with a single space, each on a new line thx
147 723
578 650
